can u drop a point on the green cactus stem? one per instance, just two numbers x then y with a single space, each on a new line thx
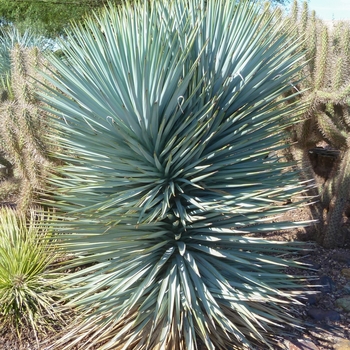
22 139
321 66
334 235
332 134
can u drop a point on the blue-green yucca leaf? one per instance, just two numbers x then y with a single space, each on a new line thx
170 119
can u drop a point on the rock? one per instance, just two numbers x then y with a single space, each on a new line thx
301 344
326 284
341 257
323 315
346 273
347 287
312 264
343 303
342 344
311 299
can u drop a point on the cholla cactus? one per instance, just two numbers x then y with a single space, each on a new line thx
326 118
23 125
338 194
321 63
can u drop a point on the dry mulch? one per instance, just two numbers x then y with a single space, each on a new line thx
327 326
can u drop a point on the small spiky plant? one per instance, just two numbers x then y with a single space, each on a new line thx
168 115
28 291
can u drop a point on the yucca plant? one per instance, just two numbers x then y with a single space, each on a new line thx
28 290
168 121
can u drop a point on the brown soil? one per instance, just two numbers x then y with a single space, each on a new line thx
327 265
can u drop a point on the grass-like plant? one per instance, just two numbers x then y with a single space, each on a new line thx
168 116
28 299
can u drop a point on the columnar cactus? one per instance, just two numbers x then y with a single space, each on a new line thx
321 63
22 125
326 118
340 189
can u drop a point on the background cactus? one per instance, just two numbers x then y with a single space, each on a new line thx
23 126
322 137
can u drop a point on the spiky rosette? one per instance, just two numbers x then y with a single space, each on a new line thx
169 119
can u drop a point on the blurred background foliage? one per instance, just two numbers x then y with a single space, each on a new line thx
47 17
52 17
